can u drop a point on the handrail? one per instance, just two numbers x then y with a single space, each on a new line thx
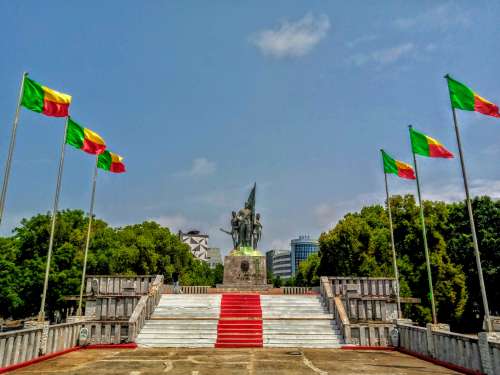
340 311
144 308
325 289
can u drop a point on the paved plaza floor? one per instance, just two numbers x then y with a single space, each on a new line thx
233 361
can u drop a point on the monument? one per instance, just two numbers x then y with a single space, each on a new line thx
245 266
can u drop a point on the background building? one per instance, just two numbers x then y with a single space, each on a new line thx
302 247
213 257
269 261
198 243
282 264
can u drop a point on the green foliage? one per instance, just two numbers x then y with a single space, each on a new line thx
139 249
359 245
277 282
307 274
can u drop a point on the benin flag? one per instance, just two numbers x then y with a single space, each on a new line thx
111 162
464 98
41 99
426 146
84 139
397 167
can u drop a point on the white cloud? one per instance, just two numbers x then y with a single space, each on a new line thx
383 56
292 39
173 222
200 167
441 17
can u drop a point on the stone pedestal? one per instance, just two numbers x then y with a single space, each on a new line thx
245 272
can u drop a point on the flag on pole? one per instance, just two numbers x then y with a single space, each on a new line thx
109 161
397 167
41 99
464 98
426 146
84 139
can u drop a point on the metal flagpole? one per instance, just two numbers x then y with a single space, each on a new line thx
424 234
394 258
11 149
91 214
41 314
472 227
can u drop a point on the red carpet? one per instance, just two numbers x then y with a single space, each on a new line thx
240 322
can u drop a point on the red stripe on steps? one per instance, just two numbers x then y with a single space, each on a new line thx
240 322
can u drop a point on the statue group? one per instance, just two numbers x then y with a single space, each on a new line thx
246 229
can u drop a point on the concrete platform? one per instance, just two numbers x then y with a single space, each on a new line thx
233 362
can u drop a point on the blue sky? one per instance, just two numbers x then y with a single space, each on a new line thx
204 98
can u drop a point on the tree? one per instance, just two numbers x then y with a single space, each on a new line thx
459 239
359 245
307 274
139 249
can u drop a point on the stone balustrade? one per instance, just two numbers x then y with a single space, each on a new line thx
298 289
113 315
118 285
111 307
363 308
475 353
144 308
187 289
364 286
27 344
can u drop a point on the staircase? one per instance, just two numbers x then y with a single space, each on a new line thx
182 320
240 320
240 323
298 321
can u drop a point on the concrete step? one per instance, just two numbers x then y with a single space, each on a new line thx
303 345
176 345
169 336
166 340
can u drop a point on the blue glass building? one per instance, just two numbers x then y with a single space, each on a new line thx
302 247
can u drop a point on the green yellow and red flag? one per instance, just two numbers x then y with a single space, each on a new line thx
84 139
426 146
44 100
109 161
464 98
397 167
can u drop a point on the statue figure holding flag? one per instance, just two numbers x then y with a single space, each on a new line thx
246 229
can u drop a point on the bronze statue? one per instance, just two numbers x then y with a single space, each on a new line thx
235 229
246 229
257 231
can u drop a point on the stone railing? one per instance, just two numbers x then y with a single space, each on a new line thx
111 307
325 290
360 308
27 344
117 285
299 289
364 286
107 332
187 289
145 308
474 353
342 319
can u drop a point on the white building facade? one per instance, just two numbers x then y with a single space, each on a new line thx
198 243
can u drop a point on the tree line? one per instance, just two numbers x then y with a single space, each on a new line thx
140 249
359 245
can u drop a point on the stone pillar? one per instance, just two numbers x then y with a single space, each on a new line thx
430 340
484 352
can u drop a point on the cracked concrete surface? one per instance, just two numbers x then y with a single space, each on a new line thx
173 361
